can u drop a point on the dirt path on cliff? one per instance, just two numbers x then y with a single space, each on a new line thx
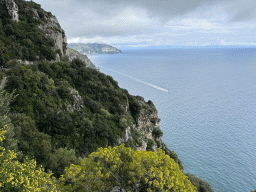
3 82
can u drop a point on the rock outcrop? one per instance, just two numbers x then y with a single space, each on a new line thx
147 123
77 104
127 136
53 30
12 9
73 54
3 82
46 22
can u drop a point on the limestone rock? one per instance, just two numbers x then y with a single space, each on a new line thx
117 189
3 82
57 57
53 30
78 102
146 123
127 136
12 9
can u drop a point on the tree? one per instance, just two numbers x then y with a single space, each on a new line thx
201 185
62 158
16 176
3 54
32 143
10 142
129 170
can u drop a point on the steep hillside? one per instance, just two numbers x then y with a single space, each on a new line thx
94 48
75 54
63 110
29 33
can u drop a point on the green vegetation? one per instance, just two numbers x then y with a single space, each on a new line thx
56 114
100 171
201 185
94 48
49 110
127 169
16 175
23 39
75 54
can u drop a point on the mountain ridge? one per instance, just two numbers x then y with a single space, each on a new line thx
94 48
73 54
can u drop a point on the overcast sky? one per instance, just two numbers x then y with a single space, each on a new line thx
156 22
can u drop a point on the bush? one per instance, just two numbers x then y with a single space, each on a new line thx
157 133
129 170
150 144
62 158
201 185
135 108
64 92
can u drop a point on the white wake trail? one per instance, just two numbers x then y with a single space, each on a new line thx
146 83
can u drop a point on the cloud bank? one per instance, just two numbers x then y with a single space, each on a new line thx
176 22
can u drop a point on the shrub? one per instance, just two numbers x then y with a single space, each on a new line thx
63 92
201 185
150 144
157 133
129 170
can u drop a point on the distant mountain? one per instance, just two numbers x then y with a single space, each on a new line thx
93 48
75 54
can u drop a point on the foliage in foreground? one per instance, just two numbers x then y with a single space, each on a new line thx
16 176
102 170
129 170
42 113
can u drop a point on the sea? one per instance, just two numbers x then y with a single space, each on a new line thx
206 100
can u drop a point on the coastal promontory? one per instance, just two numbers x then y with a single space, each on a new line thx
94 48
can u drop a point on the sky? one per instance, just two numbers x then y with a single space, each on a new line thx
146 23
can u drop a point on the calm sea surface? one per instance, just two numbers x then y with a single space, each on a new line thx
206 100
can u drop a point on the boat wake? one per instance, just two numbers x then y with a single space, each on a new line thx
138 80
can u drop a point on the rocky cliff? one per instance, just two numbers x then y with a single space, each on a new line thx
146 128
12 9
145 134
73 54
52 29
50 43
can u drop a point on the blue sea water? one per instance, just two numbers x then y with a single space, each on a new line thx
206 100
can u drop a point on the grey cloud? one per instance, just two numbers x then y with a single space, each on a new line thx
242 10
104 17
163 8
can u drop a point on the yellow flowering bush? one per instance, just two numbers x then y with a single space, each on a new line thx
25 177
129 170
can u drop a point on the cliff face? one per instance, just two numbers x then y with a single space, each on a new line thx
53 30
73 54
12 9
145 129
52 40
